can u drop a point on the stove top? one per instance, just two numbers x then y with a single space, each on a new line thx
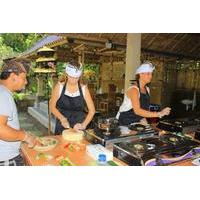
121 133
184 121
124 131
180 125
169 146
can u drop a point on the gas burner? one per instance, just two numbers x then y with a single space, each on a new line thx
171 139
151 146
178 122
136 127
138 147
144 147
163 150
139 127
118 134
183 125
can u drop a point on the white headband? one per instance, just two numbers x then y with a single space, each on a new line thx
73 71
145 68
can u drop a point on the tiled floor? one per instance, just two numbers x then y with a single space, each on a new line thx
28 123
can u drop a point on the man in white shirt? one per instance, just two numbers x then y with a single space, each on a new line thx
12 78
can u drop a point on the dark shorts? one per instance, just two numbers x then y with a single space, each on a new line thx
16 161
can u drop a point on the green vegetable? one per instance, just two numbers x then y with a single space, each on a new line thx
40 156
66 162
53 142
71 148
112 163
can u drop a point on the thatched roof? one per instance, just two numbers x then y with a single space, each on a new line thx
177 45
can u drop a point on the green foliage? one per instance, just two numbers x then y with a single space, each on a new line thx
19 96
33 88
5 51
11 44
20 42
92 67
60 67
91 72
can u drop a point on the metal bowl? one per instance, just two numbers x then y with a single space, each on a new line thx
108 124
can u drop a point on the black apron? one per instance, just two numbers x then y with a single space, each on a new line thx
73 108
129 117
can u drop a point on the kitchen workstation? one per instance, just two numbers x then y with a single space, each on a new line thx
106 107
110 99
167 143
111 112
161 128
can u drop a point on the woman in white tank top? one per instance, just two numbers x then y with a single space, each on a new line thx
135 106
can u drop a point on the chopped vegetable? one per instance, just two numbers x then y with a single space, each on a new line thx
66 162
43 156
71 148
67 145
112 163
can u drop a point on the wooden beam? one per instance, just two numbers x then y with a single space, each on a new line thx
144 36
78 47
91 39
152 40
197 46
170 40
170 54
100 34
101 54
113 35
179 41
186 45
103 49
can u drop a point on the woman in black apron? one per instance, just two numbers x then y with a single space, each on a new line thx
135 107
69 110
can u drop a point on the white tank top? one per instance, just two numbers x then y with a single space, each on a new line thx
74 94
127 104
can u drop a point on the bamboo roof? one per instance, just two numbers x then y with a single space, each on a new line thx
177 45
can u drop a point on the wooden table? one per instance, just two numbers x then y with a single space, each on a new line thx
184 163
78 158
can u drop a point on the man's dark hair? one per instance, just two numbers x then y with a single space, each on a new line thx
13 66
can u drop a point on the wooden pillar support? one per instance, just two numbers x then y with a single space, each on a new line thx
133 51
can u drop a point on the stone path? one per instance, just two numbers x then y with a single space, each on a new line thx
28 123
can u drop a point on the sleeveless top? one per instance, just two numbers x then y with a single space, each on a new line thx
126 114
74 94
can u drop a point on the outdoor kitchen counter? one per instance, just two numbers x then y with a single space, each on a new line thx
78 158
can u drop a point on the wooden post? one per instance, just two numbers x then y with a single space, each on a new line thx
83 58
133 51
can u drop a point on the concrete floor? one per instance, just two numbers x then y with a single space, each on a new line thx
28 123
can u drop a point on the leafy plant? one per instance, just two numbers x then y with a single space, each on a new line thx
20 96
91 72
60 67
92 67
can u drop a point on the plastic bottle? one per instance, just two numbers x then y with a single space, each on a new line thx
102 160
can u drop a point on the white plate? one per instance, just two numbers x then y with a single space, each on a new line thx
47 147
